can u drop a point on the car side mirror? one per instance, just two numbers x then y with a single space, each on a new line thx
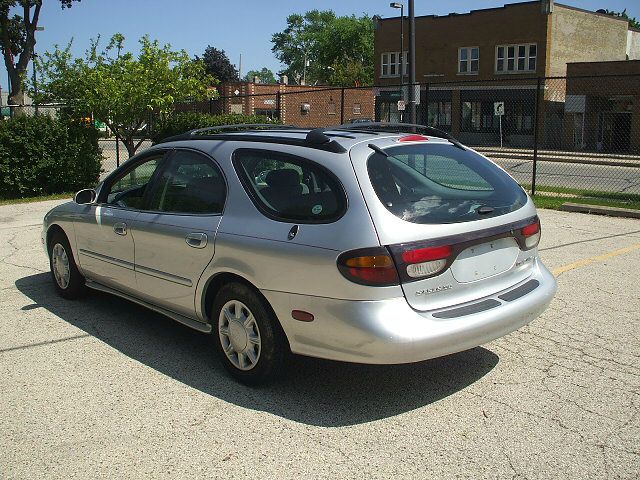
83 197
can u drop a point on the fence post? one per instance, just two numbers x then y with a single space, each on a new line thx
117 152
425 107
342 106
535 138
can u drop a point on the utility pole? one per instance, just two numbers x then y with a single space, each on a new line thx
412 62
35 84
401 62
304 69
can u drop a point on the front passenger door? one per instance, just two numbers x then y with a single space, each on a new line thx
103 230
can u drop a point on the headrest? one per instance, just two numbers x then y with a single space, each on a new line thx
286 177
206 183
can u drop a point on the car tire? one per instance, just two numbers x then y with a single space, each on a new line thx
67 279
247 335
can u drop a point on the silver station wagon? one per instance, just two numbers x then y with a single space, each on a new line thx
363 243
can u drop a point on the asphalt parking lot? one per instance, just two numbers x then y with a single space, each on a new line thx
102 387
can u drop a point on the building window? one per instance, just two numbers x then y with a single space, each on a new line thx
532 57
480 117
439 115
516 58
384 63
390 64
468 60
331 108
357 109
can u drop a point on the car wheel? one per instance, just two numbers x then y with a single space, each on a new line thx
68 281
247 335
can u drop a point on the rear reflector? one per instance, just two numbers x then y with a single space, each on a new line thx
413 138
302 315
369 266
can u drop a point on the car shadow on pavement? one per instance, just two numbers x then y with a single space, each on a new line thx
315 392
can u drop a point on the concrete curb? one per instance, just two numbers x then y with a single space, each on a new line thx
600 210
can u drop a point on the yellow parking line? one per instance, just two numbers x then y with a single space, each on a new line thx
599 258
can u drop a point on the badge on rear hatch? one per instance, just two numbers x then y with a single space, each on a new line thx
427 291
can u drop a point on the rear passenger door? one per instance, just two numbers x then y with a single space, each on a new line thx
174 238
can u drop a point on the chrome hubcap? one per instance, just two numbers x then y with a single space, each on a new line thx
239 335
60 261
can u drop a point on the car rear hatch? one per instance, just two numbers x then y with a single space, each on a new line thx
457 226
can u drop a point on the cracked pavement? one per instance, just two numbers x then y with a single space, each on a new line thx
103 388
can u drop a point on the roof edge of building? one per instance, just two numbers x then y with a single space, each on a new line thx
512 5
605 62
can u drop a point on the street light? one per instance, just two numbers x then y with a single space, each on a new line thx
401 7
35 80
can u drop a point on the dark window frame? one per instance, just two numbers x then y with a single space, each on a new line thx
127 168
167 163
287 157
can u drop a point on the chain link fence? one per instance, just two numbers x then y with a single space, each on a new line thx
564 137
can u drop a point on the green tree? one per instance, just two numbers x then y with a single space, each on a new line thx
218 65
265 75
18 39
120 89
633 23
326 49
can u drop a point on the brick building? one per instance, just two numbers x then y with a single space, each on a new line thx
473 60
602 113
301 105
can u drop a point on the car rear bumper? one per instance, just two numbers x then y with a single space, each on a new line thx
390 331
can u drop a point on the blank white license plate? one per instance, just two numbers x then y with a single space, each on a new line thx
485 260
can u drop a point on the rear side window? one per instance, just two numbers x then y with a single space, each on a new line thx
290 188
440 183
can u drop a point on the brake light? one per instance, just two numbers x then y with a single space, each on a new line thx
531 234
426 254
369 266
426 262
413 138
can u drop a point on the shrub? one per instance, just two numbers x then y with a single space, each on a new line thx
42 155
184 121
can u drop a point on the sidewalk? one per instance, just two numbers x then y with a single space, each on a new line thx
593 158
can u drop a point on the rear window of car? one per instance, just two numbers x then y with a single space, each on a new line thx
441 183
290 188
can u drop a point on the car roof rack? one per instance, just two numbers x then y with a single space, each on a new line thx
226 132
225 128
386 127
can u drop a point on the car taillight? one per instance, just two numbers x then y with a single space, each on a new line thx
369 266
531 234
426 262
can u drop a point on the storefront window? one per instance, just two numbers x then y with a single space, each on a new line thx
439 114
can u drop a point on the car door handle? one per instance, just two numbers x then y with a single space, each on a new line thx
120 228
197 240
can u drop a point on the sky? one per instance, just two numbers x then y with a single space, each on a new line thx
237 27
